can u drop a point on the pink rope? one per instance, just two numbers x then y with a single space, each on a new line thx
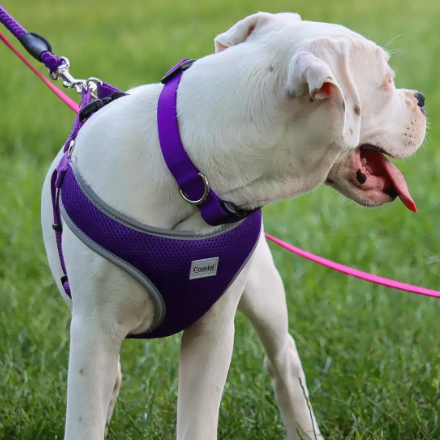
376 279
70 102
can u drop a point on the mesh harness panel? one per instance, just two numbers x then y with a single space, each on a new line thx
163 261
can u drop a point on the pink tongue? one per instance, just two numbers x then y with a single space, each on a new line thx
400 184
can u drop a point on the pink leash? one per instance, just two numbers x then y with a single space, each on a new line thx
376 279
70 102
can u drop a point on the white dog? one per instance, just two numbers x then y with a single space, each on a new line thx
282 107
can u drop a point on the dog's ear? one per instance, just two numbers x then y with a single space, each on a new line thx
242 30
325 74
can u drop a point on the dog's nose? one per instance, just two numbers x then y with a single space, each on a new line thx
420 99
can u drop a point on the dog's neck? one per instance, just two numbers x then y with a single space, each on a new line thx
252 152
237 127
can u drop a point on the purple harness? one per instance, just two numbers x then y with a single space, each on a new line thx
185 274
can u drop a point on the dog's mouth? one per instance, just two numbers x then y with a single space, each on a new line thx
375 173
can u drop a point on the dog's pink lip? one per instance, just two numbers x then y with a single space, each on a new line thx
374 172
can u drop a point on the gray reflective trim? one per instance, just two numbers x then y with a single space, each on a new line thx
159 312
134 224
245 262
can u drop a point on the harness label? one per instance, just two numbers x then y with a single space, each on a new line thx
203 268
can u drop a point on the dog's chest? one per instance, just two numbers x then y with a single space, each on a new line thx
184 274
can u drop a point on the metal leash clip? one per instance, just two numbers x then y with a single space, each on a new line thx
79 85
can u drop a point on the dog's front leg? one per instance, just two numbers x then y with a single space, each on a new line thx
264 303
204 362
93 369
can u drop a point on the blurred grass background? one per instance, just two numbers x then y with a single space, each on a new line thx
371 354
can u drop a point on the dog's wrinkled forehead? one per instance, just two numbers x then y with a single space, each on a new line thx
327 41
366 61
285 33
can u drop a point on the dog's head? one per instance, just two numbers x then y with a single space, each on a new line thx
339 109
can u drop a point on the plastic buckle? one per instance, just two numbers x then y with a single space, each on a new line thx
181 68
93 107
63 279
234 213
57 228
97 104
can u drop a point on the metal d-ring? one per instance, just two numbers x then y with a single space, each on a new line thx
205 194
92 83
95 81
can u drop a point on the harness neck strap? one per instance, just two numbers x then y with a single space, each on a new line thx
194 186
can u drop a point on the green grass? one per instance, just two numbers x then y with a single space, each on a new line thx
371 354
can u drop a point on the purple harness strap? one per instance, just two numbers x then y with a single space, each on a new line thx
58 174
193 185
187 176
56 183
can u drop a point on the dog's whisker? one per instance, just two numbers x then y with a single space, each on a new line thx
348 204
390 41
332 195
395 51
